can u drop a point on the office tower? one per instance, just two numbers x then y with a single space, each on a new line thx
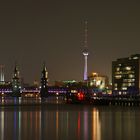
126 75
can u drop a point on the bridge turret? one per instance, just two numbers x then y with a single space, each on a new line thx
44 82
16 82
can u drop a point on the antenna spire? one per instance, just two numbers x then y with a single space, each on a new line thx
86 34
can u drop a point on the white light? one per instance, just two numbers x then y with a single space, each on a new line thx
135 57
73 91
128 68
131 76
124 88
118 69
120 92
98 82
85 53
118 76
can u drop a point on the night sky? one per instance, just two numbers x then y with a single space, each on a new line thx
32 32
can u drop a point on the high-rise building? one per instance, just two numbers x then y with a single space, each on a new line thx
44 82
85 54
16 82
126 75
2 74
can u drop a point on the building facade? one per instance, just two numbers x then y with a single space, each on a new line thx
126 75
98 80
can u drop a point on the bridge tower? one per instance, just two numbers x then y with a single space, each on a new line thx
16 82
44 82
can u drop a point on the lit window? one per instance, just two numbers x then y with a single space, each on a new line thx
120 92
91 83
131 76
128 68
115 84
124 93
118 76
124 88
118 69
124 84
129 84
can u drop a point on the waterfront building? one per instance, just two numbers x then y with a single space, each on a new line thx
126 75
44 82
71 86
98 80
5 89
65 83
16 82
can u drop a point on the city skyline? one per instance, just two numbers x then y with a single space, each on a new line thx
32 33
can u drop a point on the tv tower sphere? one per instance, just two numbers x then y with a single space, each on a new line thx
85 52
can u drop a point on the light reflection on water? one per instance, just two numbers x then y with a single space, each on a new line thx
69 122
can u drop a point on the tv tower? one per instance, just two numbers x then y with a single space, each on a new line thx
85 52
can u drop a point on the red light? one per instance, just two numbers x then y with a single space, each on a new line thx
80 96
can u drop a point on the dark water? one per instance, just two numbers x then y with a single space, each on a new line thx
69 122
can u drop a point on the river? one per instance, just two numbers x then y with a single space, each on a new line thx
69 122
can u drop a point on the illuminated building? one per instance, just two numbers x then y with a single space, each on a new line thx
2 74
65 83
97 80
44 82
126 75
85 54
6 89
16 82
